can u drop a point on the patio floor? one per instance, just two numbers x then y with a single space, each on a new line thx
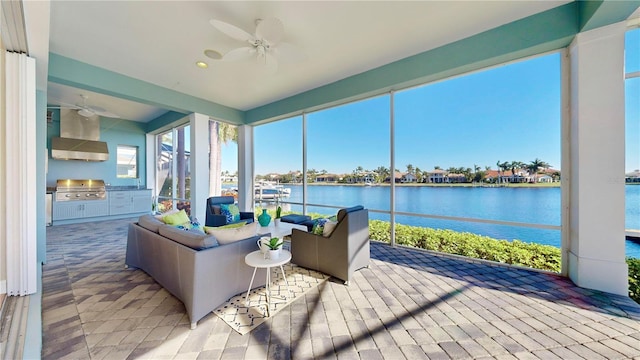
408 304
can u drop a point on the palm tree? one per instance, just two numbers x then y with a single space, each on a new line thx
503 167
536 165
419 175
410 169
514 166
311 175
219 133
383 173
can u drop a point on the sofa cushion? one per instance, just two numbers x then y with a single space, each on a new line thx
178 218
231 212
227 236
150 222
192 238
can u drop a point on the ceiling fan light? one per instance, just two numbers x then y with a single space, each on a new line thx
212 54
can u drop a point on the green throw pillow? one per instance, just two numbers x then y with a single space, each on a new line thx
178 218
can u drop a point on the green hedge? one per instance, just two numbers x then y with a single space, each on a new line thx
634 279
475 246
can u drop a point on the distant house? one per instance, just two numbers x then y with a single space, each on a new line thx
408 178
327 178
397 177
437 176
455 178
361 178
229 178
543 178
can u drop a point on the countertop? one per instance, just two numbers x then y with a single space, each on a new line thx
124 188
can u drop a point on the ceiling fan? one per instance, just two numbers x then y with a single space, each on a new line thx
86 110
265 44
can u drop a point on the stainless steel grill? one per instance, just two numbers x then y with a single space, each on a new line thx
68 190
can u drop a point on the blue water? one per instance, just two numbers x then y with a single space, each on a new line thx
526 205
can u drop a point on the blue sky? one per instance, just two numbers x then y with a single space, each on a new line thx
506 113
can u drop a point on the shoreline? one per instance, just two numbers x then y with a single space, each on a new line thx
469 185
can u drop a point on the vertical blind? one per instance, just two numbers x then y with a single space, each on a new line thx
20 169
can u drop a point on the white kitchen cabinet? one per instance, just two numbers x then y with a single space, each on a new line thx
129 202
65 210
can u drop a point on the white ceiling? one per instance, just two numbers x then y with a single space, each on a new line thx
160 41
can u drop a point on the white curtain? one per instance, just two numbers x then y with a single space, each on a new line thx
20 168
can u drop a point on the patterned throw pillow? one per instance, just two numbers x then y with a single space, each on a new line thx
318 227
192 225
231 212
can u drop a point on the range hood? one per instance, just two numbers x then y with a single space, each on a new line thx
79 138
78 149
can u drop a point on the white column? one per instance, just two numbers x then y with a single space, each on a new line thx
151 162
199 164
245 168
597 205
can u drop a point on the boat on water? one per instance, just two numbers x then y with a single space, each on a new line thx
265 190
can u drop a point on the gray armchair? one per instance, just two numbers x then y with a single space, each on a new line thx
342 253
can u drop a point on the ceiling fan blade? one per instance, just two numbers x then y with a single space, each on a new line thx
107 114
270 29
231 30
86 113
289 53
63 105
239 54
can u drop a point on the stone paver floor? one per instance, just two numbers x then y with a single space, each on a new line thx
408 304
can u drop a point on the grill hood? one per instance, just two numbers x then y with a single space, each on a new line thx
79 138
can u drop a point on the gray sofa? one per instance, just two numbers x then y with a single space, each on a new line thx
203 275
341 253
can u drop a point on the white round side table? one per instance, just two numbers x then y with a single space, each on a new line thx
257 260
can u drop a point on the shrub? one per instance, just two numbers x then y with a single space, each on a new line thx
634 279
515 252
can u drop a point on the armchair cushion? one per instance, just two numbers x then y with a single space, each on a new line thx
215 217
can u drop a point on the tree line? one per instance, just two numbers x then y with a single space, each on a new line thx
383 174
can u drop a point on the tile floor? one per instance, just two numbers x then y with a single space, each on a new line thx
407 304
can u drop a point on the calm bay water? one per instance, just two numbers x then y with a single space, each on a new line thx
527 205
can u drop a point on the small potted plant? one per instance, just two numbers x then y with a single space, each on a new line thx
275 248
278 213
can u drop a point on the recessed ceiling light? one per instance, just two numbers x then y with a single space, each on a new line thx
202 64
212 54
